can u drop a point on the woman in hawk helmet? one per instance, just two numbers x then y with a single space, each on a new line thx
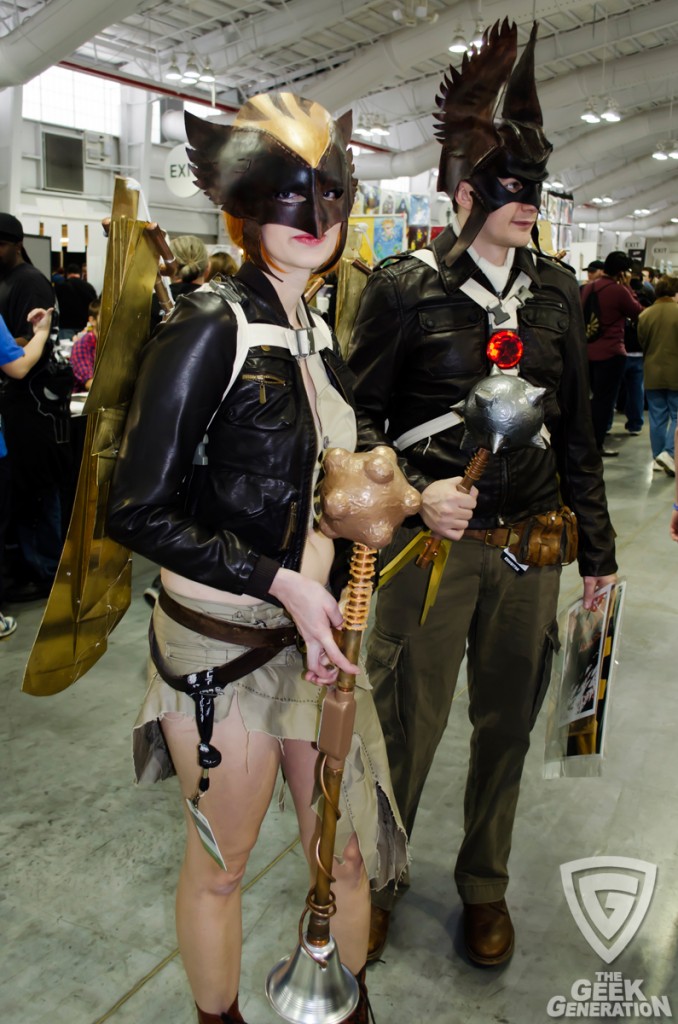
238 394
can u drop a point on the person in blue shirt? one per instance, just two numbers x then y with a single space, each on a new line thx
15 362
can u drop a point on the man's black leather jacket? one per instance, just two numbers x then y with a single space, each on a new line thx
419 345
232 523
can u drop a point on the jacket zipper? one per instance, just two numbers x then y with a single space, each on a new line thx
265 380
291 525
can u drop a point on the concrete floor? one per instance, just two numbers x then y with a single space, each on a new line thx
89 861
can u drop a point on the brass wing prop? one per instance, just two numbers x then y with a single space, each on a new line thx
92 588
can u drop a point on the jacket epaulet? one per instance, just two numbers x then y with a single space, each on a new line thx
555 262
227 289
389 261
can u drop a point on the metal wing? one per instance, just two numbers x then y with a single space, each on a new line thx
92 587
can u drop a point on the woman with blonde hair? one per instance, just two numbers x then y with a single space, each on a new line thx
239 393
191 256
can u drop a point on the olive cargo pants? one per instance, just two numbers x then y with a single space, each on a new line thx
508 622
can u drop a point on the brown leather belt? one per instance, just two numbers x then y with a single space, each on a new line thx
218 629
497 536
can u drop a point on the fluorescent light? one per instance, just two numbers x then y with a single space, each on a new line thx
674 220
673 149
642 212
380 130
660 152
608 199
556 184
596 199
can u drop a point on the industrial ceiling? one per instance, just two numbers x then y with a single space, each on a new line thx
385 59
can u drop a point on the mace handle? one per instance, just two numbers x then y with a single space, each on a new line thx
472 474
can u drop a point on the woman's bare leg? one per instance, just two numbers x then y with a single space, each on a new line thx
351 924
208 906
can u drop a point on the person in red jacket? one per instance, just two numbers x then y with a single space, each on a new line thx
607 354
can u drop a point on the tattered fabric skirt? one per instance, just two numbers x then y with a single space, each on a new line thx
277 700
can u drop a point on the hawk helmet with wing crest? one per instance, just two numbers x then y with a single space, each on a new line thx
481 150
279 145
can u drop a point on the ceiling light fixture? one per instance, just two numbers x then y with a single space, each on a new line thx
608 199
642 212
173 73
660 152
458 44
207 74
191 71
556 184
589 115
412 12
611 111
477 37
674 220
596 199
673 149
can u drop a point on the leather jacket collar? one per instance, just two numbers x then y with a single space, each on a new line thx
465 266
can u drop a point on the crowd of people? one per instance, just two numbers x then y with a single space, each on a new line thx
246 610
633 360
48 337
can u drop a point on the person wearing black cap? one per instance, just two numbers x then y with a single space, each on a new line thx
420 343
607 354
594 270
36 422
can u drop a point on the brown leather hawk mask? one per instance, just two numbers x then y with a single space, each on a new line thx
279 144
480 150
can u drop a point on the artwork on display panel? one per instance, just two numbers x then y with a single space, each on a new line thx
417 237
420 211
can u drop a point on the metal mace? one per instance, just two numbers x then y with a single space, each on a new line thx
500 412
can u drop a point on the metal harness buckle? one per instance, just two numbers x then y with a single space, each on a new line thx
305 341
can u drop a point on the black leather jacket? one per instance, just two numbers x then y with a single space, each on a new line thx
232 523
419 345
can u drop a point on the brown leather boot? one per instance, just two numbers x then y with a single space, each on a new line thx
232 1015
363 1011
379 923
488 933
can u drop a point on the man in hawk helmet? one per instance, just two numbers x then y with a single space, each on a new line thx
238 393
420 343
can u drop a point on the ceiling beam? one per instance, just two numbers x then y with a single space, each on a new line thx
53 33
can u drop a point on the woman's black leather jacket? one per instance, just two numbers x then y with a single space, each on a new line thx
233 522
419 345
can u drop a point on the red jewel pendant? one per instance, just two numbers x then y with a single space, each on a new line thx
505 349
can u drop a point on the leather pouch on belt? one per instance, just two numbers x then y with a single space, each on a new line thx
548 539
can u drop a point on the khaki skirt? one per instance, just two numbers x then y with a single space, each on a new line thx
277 700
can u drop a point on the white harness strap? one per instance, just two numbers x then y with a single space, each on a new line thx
303 342
501 312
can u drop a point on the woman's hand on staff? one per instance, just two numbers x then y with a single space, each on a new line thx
315 613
